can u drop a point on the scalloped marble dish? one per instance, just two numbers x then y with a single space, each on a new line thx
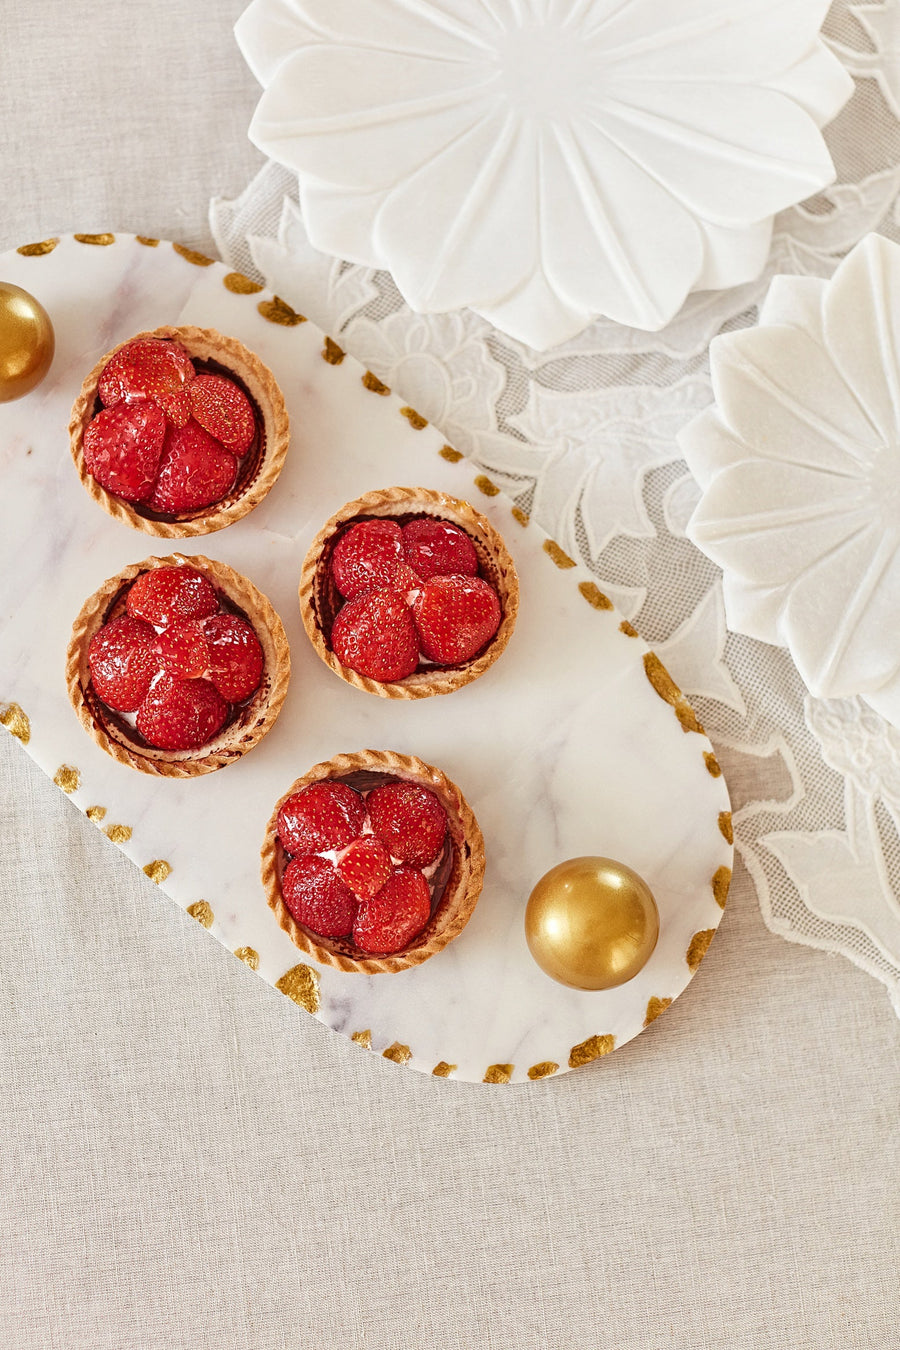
574 742
547 164
799 464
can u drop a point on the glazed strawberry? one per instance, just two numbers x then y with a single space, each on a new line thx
409 820
166 595
123 447
184 651
370 555
365 867
321 816
438 548
399 911
455 617
375 636
317 898
181 714
224 410
195 471
235 656
123 661
150 368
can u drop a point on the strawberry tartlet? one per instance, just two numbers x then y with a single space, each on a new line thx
177 666
373 862
179 431
408 592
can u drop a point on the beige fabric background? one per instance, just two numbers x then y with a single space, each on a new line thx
186 1160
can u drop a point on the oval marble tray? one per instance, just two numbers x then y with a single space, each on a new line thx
575 742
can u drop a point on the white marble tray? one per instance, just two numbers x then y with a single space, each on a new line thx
565 747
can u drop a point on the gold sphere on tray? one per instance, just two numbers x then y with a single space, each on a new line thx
26 342
591 923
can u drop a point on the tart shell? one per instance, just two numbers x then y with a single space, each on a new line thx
258 471
319 600
254 719
461 890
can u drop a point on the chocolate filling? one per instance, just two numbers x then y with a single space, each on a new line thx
240 714
441 884
248 466
328 601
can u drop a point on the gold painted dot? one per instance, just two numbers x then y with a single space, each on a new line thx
68 778
192 256
279 311
301 983
484 484
202 912
238 284
157 870
559 556
654 1008
698 948
593 1048
443 1070
594 596
374 385
38 250
542 1070
363 1038
498 1073
332 353
15 719
449 454
249 956
721 883
415 420
712 764
726 827
102 240
628 628
397 1053
669 692
119 834
147 241
521 516
95 813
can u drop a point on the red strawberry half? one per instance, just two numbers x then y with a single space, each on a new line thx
224 410
181 714
370 555
375 636
168 594
150 368
184 651
409 820
456 616
399 911
123 447
321 816
235 656
365 867
438 548
317 898
195 471
123 658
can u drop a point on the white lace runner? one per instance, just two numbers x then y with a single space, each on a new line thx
583 437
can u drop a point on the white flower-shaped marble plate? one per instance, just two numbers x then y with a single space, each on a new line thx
545 162
573 743
799 463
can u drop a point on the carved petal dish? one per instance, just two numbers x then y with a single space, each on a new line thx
799 462
547 161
